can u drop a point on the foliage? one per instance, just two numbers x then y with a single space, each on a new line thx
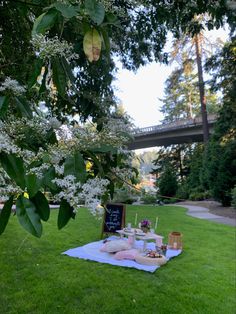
149 198
36 270
55 58
182 99
182 192
234 197
220 160
167 183
124 195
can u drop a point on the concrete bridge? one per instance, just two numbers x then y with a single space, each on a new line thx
178 132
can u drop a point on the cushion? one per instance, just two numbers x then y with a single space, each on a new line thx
127 254
115 246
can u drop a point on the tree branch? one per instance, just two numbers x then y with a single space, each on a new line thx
26 3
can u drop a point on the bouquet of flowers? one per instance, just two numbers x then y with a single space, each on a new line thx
145 225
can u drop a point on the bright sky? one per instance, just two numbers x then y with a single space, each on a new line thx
139 92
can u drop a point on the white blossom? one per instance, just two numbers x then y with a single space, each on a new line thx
46 48
13 86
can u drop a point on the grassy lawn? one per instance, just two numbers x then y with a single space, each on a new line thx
35 278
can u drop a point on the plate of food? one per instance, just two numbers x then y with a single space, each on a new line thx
142 234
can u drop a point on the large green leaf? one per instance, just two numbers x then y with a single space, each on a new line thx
51 137
92 45
106 42
95 10
75 165
42 206
103 149
28 217
5 214
44 22
33 184
23 108
14 167
59 77
64 215
112 19
66 10
38 63
4 102
49 175
68 70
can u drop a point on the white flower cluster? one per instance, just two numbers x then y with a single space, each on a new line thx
114 133
6 144
124 174
11 189
75 193
12 86
39 171
46 48
92 191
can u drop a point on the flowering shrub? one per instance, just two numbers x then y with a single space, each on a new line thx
75 164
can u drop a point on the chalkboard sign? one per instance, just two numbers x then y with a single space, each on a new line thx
114 218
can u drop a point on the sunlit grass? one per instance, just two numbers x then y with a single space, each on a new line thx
36 278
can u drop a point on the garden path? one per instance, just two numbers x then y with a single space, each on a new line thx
203 213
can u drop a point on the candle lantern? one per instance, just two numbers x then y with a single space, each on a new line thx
175 241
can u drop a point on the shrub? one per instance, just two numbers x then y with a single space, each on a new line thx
183 191
199 196
149 198
234 197
124 196
170 200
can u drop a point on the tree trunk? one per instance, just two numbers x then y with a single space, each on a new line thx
201 84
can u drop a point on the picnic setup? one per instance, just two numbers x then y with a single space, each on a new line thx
126 246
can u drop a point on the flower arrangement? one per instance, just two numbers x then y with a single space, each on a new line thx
145 225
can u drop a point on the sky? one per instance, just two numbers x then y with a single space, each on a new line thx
139 92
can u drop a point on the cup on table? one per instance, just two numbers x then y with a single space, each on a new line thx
152 230
129 226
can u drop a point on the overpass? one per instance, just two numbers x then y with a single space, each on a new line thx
178 132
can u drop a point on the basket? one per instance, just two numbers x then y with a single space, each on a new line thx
175 241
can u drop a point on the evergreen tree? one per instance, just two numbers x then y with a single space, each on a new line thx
167 183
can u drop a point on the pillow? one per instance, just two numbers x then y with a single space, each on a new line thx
127 254
115 246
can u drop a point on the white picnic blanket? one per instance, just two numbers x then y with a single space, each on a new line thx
91 251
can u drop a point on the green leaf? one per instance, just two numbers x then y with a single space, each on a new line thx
14 167
42 206
66 10
4 102
103 149
38 63
28 217
106 41
95 10
65 213
44 22
75 166
51 137
92 45
59 77
23 108
5 214
33 184
112 19
68 70
50 175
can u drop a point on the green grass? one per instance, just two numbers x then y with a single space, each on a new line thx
36 278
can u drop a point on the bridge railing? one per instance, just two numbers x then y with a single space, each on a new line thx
173 125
